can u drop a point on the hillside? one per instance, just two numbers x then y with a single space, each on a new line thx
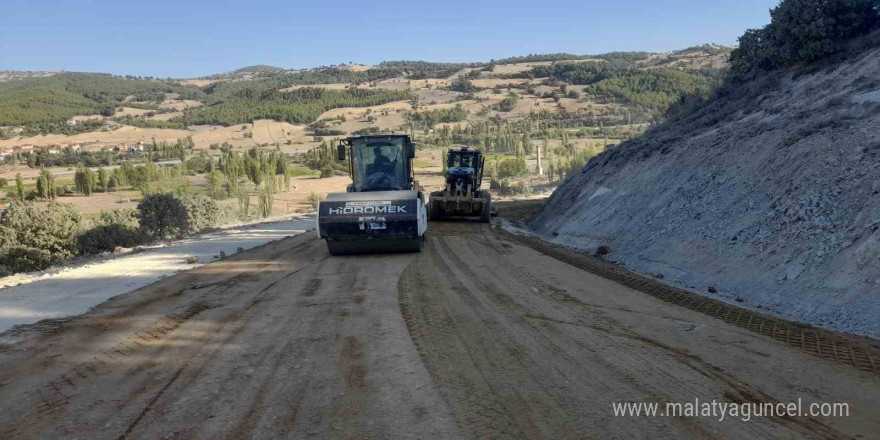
14 75
259 69
768 195
46 100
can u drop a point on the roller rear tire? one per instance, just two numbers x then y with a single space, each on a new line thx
355 247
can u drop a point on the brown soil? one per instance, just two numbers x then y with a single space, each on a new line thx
482 335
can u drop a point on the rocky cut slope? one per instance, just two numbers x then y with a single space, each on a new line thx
770 194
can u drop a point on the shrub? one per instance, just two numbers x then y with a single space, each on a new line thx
315 198
326 171
166 215
504 186
507 104
106 238
512 167
522 189
463 85
114 228
199 164
201 212
18 258
35 238
225 214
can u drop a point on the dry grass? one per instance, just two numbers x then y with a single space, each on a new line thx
165 116
199 82
337 86
499 82
124 134
180 104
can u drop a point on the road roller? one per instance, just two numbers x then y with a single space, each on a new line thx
383 209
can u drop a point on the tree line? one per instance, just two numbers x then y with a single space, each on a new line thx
300 106
804 31
427 119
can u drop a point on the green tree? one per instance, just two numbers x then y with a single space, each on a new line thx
266 200
19 187
162 216
804 31
244 201
215 182
102 180
84 180
46 185
108 110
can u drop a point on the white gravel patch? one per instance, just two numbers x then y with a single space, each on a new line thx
73 290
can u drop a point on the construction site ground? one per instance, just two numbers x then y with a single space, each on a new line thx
484 334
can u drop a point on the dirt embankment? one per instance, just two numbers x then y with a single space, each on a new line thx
771 195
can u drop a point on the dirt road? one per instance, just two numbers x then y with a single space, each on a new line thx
482 335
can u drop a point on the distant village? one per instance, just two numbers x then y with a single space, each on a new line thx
7 153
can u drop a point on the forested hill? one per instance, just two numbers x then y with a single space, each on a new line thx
59 97
42 103
259 69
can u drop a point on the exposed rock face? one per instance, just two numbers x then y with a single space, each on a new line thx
772 194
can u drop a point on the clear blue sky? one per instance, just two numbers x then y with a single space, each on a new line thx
187 38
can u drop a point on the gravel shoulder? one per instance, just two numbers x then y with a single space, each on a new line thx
63 292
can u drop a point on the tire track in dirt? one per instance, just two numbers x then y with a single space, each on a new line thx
861 353
479 323
447 342
52 399
149 406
